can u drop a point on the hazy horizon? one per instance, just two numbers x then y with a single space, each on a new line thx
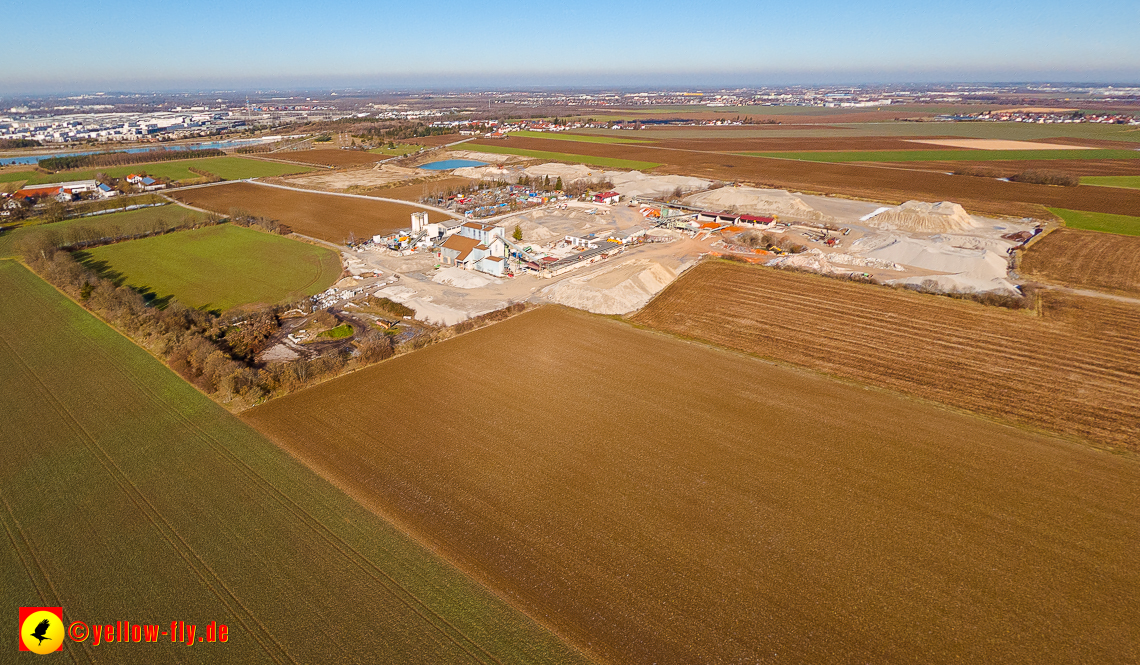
445 44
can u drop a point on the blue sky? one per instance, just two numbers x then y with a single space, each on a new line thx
326 43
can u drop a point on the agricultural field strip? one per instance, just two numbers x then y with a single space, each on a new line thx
256 480
592 160
222 266
227 168
414 204
1125 181
201 568
492 487
317 527
946 155
834 322
1089 259
579 138
146 508
1091 221
948 337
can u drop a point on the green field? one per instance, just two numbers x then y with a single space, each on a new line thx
226 168
220 267
837 156
83 228
563 157
579 138
126 494
339 332
1017 131
1127 181
400 149
1124 225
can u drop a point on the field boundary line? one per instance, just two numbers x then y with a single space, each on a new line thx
317 527
293 507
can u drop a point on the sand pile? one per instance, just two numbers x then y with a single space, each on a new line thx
637 185
532 231
424 308
568 172
464 279
618 290
750 200
816 260
925 217
488 173
969 269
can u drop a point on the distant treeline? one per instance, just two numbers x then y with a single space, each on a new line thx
18 143
123 158
407 131
218 353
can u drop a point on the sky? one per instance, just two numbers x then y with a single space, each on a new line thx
206 44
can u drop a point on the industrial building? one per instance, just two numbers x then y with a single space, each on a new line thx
476 246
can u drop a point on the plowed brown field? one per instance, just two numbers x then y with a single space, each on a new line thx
323 216
1074 370
1008 168
794 144
330 157
654 500
1086 259
878 183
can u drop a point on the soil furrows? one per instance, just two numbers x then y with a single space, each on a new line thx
967 355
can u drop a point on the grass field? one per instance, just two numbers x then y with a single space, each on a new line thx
579 138
590 160
127 494
325 216
682 504
226 168
1086 259
400 149
949 155
1022 131
1127 181
1098 221
220 267
1075 370
328 157
82 228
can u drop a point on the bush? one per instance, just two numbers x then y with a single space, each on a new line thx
1044 177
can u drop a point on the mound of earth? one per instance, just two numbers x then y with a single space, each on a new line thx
751 200
923 217
464 279
619 290
968 269
635 184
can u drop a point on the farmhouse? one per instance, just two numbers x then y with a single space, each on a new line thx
476 246
609 198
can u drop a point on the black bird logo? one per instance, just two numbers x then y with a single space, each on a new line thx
42 628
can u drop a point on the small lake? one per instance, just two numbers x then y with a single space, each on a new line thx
449 164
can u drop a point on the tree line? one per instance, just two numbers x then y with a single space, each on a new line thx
218 353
